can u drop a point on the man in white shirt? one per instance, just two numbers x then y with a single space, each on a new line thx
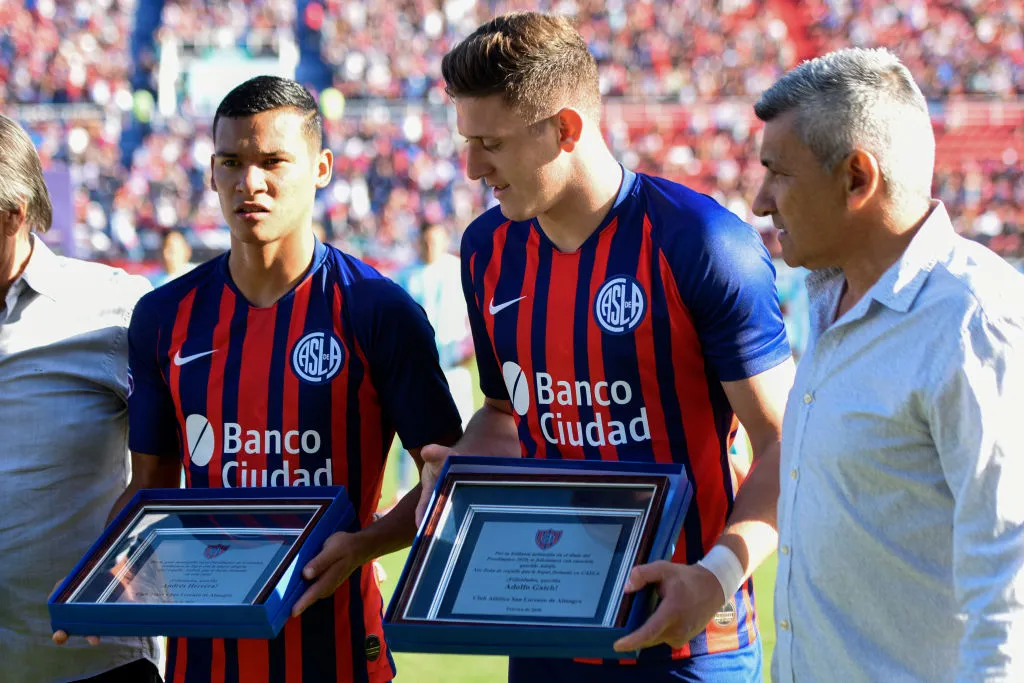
901 523
63 428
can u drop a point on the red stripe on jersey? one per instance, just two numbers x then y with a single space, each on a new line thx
215 382
644 337
561 361
253 659
217 670
682 652
702 444
178 334
595 338
524 337
293 651
254 386
180 660
491 276
342 633
750 623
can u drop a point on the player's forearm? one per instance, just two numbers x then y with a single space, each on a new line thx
751 530
148 472
393 531
491 431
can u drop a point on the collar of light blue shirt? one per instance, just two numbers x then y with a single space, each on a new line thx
42 273
902 282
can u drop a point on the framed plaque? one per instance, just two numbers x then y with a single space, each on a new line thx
531 557
222 563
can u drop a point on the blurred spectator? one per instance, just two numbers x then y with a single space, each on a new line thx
678 78
175 258
434 281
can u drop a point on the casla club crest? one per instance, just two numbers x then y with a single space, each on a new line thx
547 538
215 550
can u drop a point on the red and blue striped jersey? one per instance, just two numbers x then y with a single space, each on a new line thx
309 391
618 351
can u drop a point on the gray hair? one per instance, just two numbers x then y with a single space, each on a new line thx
21 177
865 99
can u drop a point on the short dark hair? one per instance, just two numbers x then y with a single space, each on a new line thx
21 177
535 61
266 93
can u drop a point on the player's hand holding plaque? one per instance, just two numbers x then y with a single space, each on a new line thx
200 563
530 557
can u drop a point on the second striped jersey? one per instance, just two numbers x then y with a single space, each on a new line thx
618 351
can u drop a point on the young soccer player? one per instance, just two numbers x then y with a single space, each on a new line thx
619 316
286 362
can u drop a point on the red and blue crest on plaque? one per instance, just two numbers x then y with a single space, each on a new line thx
546 538
215 550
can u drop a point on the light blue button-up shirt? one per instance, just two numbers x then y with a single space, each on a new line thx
63 452
901 515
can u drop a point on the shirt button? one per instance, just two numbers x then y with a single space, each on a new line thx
792 474
785 550
784 625
808 398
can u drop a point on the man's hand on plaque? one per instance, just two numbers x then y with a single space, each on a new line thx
433 462
341 555
690 598
60 636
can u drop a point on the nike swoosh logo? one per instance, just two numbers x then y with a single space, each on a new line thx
495 309
180 360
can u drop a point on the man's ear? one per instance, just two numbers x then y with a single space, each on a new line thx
570 128
862 178
12 221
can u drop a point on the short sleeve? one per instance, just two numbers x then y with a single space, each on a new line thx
151 419
399 344
726 279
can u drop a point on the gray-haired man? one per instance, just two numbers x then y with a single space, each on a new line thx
901 526
63 427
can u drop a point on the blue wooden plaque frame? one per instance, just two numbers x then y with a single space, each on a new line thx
533 639
264 619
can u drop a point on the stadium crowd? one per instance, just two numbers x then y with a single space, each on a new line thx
696 67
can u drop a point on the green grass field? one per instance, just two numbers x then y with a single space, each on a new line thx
423 668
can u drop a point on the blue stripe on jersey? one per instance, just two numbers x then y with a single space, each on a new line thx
357 620
199 663
620 353
538 337
276 661
229 389
318 655
205 307
231 673
742 614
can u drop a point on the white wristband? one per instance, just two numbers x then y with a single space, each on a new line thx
723 563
